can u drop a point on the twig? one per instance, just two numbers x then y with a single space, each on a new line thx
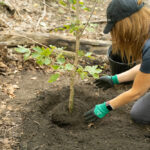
7 4
13 127
94 22
43 15
96 1
69 7
98 21
53 9
12 7
37 123
6 24
47 5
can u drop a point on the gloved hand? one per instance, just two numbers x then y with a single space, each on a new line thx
106 82
98 112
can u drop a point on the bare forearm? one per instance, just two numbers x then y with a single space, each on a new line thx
124 98
128 75
140 86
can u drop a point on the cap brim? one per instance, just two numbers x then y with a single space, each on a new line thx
108 28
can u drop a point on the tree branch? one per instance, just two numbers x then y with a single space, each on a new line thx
43 15
89 18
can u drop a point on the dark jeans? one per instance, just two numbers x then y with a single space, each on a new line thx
140 112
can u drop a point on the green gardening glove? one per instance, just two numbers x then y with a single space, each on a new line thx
98 112
106 82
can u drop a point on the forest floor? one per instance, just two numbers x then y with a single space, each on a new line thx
27 100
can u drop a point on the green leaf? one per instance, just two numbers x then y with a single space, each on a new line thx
47 61
81 3
37 49
52 47
35 55
61 29
88 54
98 71
90 29
83 75
40 61
96 76
92 69
80 69
73 8
86 8
71 1
81 53
69 67
55 67
2 3
60 60
62 3
46 51
61 67
22 49
27 55
53 77
93 25
67 27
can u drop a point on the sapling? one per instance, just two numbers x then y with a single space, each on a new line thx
57 61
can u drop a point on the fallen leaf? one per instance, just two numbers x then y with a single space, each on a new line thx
16 86
85 80
94 13
15 71
90 125
43 24
2 65
33 78
10 89
9 108
5 141
3 106
36 5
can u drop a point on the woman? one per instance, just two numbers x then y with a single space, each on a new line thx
128 21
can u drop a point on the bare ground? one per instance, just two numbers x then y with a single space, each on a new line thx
27 99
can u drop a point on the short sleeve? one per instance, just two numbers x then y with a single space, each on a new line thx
145 65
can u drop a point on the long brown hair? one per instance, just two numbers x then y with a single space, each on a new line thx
130 34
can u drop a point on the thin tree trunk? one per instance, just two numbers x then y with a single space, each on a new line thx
79 33
73 74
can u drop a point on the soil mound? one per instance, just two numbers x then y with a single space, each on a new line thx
62 117
47 125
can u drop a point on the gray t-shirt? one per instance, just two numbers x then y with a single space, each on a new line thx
145 65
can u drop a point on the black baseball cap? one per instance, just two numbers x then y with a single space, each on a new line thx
118 10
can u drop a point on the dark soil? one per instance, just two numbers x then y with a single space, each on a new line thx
39 102
62 117
32 121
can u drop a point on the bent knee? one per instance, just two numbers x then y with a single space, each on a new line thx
139 117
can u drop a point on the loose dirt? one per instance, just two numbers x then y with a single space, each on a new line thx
29 104
35 128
